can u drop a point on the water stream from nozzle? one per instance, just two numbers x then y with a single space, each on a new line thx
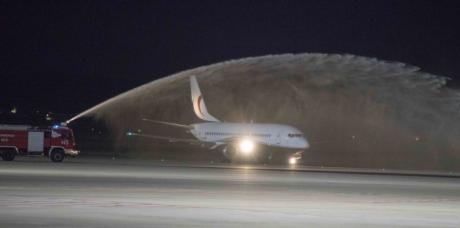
378 111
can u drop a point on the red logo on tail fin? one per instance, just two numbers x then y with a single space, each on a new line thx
199 105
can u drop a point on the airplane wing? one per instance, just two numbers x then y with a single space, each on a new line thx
168 123
211 145
169 139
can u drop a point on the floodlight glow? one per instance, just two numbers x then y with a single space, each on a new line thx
292 161
246 146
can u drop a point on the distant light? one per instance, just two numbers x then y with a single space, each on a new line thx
292 161
56 126
129 133
13 110
246 146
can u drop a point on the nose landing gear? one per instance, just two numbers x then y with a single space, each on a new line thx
295 158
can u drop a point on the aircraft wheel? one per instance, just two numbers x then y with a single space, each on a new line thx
230 154
296 158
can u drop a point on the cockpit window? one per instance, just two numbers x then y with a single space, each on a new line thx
295 135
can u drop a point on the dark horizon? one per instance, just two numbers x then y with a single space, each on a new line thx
65 57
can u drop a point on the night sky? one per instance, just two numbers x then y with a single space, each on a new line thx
66 56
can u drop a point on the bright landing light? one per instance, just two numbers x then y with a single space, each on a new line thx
246 146
292 161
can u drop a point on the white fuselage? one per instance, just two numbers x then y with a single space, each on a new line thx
277 135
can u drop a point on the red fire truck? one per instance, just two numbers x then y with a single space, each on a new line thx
56 142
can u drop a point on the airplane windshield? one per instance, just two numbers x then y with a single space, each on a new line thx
295 135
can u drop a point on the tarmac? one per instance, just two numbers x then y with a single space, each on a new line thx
84 192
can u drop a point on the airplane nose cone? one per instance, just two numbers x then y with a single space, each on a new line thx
304 144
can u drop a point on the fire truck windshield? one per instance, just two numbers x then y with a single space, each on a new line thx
66 135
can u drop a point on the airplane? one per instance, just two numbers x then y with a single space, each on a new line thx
236 139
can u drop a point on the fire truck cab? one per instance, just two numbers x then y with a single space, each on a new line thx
55 142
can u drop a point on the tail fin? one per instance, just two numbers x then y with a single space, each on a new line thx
198 103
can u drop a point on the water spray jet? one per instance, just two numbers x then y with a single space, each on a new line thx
382 105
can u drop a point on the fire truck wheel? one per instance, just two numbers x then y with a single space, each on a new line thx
9 155
57 155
